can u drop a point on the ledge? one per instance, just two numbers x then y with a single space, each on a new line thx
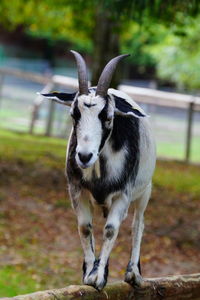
173 287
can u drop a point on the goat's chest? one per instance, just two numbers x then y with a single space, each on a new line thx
106 176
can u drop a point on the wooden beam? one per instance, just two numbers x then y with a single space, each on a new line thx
169 288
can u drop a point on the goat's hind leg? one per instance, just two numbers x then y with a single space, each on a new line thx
133 273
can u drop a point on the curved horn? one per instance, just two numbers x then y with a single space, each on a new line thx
82 73
106 75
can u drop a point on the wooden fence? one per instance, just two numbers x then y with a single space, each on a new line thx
144 95
167 288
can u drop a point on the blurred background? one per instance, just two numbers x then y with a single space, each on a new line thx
39 244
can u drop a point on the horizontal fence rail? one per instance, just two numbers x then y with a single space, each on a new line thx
167 288
144 95
151 96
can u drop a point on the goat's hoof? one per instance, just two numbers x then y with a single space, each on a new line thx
100 284
133 276
98 276
133 279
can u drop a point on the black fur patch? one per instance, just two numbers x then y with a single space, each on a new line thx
139 266
95 266
89 105
76 115
86 230
125 107
109 231
106 271
61 96
103 116
84 268
105 211
91 244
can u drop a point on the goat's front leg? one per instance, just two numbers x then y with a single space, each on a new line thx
118 211
83 211
133 273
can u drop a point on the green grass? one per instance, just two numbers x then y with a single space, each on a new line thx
50 152
26 148
177 150
179 177
13 281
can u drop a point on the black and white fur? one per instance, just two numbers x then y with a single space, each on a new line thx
110 162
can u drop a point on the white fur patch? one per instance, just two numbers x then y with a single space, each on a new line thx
88 173
89 129
97 103
114 161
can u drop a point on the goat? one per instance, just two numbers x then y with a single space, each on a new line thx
110 162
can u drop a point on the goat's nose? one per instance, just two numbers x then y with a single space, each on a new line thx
84 157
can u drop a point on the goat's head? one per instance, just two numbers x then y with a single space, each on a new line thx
92 111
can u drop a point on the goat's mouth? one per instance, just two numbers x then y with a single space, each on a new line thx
84 166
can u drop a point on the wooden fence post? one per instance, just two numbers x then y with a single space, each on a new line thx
2 77
190 114
37 103
49 123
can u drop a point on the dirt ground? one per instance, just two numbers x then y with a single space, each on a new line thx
38 231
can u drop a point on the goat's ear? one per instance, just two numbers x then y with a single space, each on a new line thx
62 98
127 108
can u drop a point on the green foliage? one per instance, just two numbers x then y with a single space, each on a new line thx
49 20
74 21
177 53
175 49
134 41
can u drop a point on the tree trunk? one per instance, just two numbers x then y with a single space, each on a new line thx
106 45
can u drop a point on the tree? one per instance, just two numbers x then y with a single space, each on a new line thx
94 26
177 55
